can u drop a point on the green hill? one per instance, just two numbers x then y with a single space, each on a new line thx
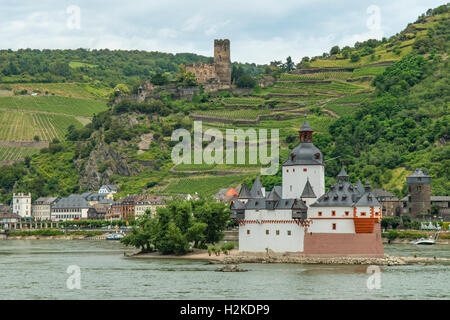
381 107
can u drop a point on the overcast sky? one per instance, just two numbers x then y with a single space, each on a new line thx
260 30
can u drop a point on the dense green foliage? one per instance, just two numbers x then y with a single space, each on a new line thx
109 67
407 117
179 225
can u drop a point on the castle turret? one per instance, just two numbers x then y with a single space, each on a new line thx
305 162
419 189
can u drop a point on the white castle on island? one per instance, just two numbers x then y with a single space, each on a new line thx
301 217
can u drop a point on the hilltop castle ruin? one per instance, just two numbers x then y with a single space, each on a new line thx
217 75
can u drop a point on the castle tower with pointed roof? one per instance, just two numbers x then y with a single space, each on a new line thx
301 217
419 189
305 162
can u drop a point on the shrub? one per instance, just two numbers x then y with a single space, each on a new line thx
392 234
226 247
246 81
354 57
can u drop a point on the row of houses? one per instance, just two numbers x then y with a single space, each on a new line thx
89 205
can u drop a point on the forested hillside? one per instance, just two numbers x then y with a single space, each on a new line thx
105 67
380 107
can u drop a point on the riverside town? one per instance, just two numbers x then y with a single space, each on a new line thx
205 155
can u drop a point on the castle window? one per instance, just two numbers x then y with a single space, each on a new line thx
290 188
293 170
320 213
287 170
267 231
248 231
347 213
289 232
333 213
334 226
278 232
305 170
304 201
363 214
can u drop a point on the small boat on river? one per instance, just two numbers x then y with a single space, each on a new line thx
115 236
423 241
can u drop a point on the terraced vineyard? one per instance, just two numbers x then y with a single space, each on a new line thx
54 104
234 114
16 153
243 101
24 126
332 75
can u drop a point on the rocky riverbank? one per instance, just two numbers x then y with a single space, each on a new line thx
235 257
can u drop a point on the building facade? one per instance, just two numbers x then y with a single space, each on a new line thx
42 208
21 204
74 207
391 204
301 217
148 202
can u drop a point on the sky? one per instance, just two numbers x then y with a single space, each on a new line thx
260 31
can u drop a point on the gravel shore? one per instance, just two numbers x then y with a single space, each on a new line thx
236 257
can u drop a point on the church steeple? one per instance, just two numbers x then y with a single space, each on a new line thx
305 133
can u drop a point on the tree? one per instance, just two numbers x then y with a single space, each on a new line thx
236 73
289 65
354 57
197 233
159 79
334 50
180 223
215 215
186 78
121 88
435 209
246 81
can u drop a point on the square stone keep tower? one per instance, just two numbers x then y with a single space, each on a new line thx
222 61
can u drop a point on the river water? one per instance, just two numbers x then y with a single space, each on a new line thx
37 269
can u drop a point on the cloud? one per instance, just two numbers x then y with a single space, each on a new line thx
192 23
260 30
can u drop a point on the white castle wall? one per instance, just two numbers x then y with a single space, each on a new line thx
294 180
258 240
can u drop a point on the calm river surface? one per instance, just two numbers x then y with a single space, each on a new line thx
36 269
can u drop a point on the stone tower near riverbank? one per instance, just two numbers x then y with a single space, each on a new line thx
419 189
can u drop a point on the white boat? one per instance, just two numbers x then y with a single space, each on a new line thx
430 241
115 236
